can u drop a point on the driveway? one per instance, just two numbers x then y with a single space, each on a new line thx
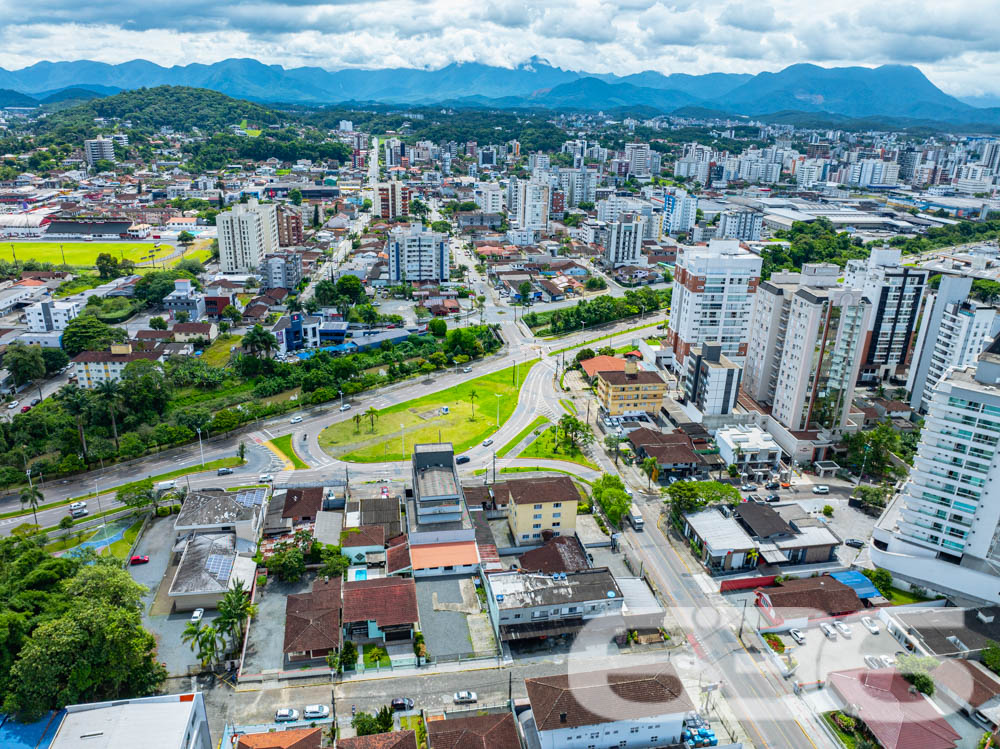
265 651
446 633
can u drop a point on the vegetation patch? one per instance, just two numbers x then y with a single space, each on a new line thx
284 446
521 435
550 445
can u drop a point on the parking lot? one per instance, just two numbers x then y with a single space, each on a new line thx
446 633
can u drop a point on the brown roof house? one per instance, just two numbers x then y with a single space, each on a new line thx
645 704
383 609
798 602
492 731
312 621
302 505
390 740
293 738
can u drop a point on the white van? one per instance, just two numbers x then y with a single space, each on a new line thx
165 486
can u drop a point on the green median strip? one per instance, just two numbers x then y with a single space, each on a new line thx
283 445
570 406
521 435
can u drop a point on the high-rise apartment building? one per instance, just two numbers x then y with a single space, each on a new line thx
281 270
896 292
489 197
637 156
533 200
806 336
742 225
711 383
624 243
713 294
680 211
392 200
96 149
943 531
417 254
954 330
289 226
246 233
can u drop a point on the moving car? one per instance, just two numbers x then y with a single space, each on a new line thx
466 370
462 459
854 543
772 486
139 559
487 442
828 630
821 489
78 509
285 714
197 615
316 711
25 409
797 635
870 624
772 498
12 405
265 478
223 471
344 407
465 697
748 488
402 703
843 628
296 419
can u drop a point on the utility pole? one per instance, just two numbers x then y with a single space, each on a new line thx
743 617
510 687
494 466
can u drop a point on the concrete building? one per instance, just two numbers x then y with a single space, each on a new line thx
210 564
280 270
94 367
712 382
289 226
713 297
743 225
943 531
489 197
536 506
624 243
297 331
246 234
749 448
98 149
391 200
532 205
953 332
177 721
417 254
630 392
896 292
680 211
436 491
185 298
637 156
805 348
47 316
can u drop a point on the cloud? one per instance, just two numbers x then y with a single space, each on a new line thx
757 17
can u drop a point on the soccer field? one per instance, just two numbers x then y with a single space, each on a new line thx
81 254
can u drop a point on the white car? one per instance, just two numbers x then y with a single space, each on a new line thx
843 628
345 406
285 715
487 442
797 635
828 630
466 697
316 711
197 615
821 489
870 624
265 478
296 420
12 405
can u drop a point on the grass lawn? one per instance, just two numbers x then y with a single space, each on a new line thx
521 435
901 597
284 446
422 419
78 284
370 661
217 354
548 446
121 547
82 253
410 722
67 542
599 338
535 469
570 406
847 739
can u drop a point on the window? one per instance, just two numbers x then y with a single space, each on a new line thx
555 525
538 507
537 525
634 729
537 517
556 514
557 504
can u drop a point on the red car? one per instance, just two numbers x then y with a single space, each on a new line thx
25 409
138 559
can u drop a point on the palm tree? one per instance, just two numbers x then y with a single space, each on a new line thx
372 414
74 400
472 400
651 469
369 315
257 340
234 610
358 416
31 495
204 638
110 391
192 634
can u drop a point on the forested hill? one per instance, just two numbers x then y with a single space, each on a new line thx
179 107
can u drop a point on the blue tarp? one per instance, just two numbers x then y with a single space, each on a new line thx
861 584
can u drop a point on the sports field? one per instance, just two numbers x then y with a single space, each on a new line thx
82 254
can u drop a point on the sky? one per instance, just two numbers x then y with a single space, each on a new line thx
956 43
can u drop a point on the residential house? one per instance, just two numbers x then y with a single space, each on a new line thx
383 610
638 706
303 505
799 602
455 554
559 554
971 688
357 543
489 731
185 298
313 621
538 505
630 391
192 331
217 511
799 539
751 449
290 738
392 740
209 565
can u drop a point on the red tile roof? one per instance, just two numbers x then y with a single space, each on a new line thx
363 535
293 738
602 364
391 740
968 680
533 491
387 601
300 503
898 718
312 620
397 558
497 731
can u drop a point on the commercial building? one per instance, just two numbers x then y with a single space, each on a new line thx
297 331
216 511
743 225
624 243
954 330
633 707
532 205
209 566
537 506
178 721
99 149
943 531
895 292
711 383
246 234
749 448
713 297
805 348
436 491
417 254
392 200
630 392
280 270
185 298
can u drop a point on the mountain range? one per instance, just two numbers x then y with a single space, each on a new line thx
899 92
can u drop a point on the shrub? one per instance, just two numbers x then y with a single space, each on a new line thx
845 721
261 580
162 512
828 510
775 642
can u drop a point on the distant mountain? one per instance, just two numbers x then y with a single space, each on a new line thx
890 91
9 98
73 93
983 100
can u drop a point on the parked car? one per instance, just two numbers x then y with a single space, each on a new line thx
296 419
462 459
797 635
821 489
25 409
402 703
843 628
344 407
748 488
487 442
854 543
873 662
828 630
772 486
139 559
197 615
285 714
466 697
223 471
870 624
772 498
316 711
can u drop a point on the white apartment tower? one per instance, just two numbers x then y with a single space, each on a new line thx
954 331
391 200
804 350
637 156
247 233
46 316
896 292
99 148
624 244
489 197
417 254
743 225
533 205
943 531
713 295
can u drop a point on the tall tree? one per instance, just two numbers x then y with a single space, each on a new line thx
110 392
372 414
473 394
32 496
25 363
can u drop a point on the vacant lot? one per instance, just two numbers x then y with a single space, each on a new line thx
549 445
469 420
83 253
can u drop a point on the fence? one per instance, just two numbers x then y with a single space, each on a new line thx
745 583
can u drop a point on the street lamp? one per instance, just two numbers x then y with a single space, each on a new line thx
498 397
402 440
200 448
341 399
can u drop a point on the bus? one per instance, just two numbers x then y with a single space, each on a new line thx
635 517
